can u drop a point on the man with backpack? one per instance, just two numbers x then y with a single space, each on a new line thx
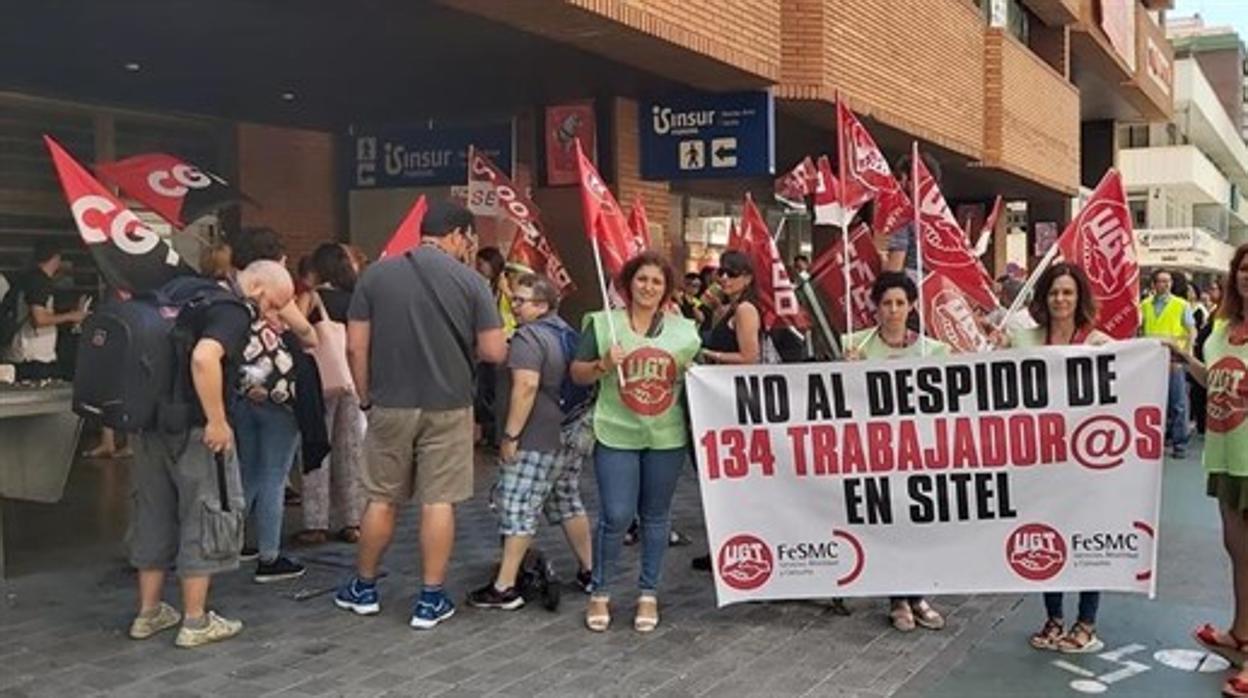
29 321
536 472
188 503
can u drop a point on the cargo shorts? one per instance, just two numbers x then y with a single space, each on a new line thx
409 450
178 518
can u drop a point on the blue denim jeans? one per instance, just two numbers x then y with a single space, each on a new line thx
267 436
1089 602
1176 408
634 484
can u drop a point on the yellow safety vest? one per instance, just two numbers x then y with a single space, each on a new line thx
1169 323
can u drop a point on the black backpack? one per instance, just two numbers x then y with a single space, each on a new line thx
13 313
134 356
573 399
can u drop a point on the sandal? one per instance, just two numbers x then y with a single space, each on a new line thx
1235 687
1081 639
312 536
902 616
927 616
647 618
1215 641
1049 635
598 614
349 534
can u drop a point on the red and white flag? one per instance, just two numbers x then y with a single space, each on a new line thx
176 190
827 275
130 256
950 316
639 225
944 247
407 235
866 176
778 296
990 224
1101 241
604 219
827 195
794 186
492 193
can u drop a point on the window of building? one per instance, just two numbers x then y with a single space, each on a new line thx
1138 206
1133 136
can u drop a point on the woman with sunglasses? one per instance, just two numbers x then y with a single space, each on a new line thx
894 295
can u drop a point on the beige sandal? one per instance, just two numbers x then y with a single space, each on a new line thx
647 618
926 616
902 616
598 614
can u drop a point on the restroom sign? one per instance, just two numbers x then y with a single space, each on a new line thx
386 157
701 135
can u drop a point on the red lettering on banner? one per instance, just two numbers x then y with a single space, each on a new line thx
1052 438
823 438
879 447
851 451
739 453
992 442
964 455
908 451
1149 441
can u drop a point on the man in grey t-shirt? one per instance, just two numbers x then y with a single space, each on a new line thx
417 325
535 471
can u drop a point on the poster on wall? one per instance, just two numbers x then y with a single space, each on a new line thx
565 123
1046 237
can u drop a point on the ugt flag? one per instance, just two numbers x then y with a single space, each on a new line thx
866 176
176 190
943 244
130 256
1101 241
776 292
828 276
604 220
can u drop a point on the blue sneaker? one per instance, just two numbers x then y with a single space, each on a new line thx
430 610
358 597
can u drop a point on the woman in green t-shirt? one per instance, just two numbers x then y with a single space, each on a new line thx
894 295
639 426
1226 453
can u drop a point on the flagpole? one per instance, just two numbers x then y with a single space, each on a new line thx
606 301
918 242
825 327
1027 287
840 197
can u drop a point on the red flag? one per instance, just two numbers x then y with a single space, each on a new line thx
828 276
827 192
866 176
990 224
492 193
794 186
734 236
604 220
639 225
407 235
130 256
944 246
175 189
950 317
1101 241
776 291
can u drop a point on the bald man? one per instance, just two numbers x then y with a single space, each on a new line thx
178 519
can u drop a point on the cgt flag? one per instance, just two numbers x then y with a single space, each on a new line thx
176 190
1101 241
604 219
865 176
130 256
777 295
828 277
407 235
944 247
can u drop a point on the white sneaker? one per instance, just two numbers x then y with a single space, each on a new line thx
144 627
217 629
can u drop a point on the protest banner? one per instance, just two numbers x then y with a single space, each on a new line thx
1011 471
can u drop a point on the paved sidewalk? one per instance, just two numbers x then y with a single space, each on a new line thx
64 634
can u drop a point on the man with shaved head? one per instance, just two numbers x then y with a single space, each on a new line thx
179 503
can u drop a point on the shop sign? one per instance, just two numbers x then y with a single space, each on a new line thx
1168 239
699 135
387 157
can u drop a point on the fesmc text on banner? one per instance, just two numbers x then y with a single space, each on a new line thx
1011 471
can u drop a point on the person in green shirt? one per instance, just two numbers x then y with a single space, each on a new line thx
894 295
639 426
1226 453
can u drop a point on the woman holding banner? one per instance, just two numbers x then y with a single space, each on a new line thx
1065 313
639 426
895 295
1226 443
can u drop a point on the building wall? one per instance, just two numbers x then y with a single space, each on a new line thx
1224 69
291 173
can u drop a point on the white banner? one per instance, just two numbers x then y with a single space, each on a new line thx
1010 471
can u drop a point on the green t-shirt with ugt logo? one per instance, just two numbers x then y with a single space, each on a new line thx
1226 433
647 412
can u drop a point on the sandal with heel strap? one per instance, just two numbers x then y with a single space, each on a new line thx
647 618
598 614
1081 639
1208 637
1049 635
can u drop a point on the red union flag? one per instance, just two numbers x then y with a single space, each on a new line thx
944 245
776 291
950 316
176 190
828 207
130 256
865 175
734 237
604 220
828 276
639 225
794 186
407 235
1101 241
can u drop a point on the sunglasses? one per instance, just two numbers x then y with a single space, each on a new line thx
730 273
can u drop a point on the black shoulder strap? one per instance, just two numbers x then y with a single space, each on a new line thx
446 316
